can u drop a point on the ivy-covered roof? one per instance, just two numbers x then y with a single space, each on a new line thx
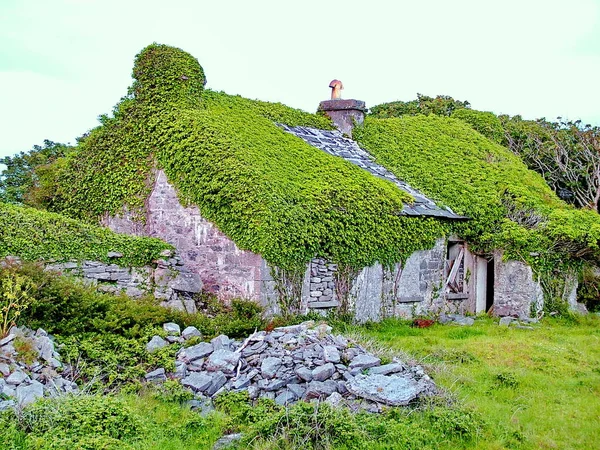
335 143
276 195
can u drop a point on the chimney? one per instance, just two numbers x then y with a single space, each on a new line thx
344 113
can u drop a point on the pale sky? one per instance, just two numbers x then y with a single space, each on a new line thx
65 62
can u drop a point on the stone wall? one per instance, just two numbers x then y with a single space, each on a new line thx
169 281
224 269
515 290
322 286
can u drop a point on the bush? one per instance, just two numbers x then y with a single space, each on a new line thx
84 416
33 235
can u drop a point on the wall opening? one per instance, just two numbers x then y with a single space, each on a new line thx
489 297
455 286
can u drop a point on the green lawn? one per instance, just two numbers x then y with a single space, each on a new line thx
537 388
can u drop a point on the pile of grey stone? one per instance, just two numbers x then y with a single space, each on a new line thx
31 374
299 362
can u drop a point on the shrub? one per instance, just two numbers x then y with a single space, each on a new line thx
15 291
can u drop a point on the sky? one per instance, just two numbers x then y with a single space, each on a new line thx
65 62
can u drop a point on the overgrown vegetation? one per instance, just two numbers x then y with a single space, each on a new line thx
510 207
32 235
103 336
535 388
267 190
19 181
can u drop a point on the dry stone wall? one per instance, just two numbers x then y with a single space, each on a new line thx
170 281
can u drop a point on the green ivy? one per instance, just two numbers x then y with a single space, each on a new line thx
32 234
510 207
268 190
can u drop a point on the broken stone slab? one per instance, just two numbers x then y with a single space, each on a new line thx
172 329
303 373
285 398
7 339
464 321
270 366
27 394
221 342
156 343
331 354
227 441
218 381
322 373
335 399
197 381
114 255
17 378
319 389
222 360
187 282
198 351
4 369
364 361
190 332
386 369
156 376
393 390
506 321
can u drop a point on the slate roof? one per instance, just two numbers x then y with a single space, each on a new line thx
334 143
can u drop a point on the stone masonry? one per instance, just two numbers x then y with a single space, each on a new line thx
322 285
225 269
169 281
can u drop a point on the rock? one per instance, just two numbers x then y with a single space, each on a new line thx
190 332
222 360
114 255
7 404
523 327
331 354
4 369
297 389
364 362
242 382
319 389
156 376
180 370
187 282
285 398
27 394
227 441
197 381
198 351
173 339
323 372
335 399
393 390
44 347
172 329
505 321
386 369
303 373
218 380
221 342
155 344
7 339
17 377
464 321
270 366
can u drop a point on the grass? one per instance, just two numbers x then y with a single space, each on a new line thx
506 388
540 389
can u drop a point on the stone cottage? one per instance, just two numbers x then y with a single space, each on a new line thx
446 278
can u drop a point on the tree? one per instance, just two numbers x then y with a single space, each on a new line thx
20 176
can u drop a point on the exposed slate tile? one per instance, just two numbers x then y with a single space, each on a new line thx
334 143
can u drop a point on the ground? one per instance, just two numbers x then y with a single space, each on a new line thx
504 388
